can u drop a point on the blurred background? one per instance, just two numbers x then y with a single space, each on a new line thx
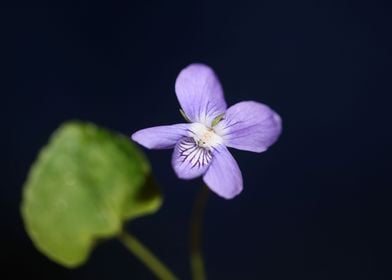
315 206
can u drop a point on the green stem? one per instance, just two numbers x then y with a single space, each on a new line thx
146 256
196 258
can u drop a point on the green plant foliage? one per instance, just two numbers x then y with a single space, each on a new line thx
84 185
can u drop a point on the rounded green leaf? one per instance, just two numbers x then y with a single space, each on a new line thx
85 183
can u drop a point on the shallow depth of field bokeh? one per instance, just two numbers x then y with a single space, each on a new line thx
316 205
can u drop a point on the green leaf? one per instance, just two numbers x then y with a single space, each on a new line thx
84 185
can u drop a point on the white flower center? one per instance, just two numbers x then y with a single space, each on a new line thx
204 136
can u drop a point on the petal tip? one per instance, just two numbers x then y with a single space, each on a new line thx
181 174
137 137
198 66
134 136
259 150
225 195
231 195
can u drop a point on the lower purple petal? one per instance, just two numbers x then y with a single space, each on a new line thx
160 137
189 160
224 176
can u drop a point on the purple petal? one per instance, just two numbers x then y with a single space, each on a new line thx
224 176
250 126
200 94
160 137
189 160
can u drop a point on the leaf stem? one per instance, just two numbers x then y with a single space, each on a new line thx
196 226
146 256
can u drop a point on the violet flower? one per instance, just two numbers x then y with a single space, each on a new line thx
200 146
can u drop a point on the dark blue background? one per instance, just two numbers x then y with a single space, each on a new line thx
315 206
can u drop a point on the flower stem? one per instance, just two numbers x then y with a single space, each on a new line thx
146 256
196 257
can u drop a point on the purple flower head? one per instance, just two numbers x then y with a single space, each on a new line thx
200 146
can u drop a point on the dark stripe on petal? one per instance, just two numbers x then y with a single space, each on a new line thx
193 154
189 159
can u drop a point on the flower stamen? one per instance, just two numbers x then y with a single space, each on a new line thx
204 136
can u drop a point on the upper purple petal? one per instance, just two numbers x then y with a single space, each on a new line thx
189 160
200 93
224 176
160 137
250 126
